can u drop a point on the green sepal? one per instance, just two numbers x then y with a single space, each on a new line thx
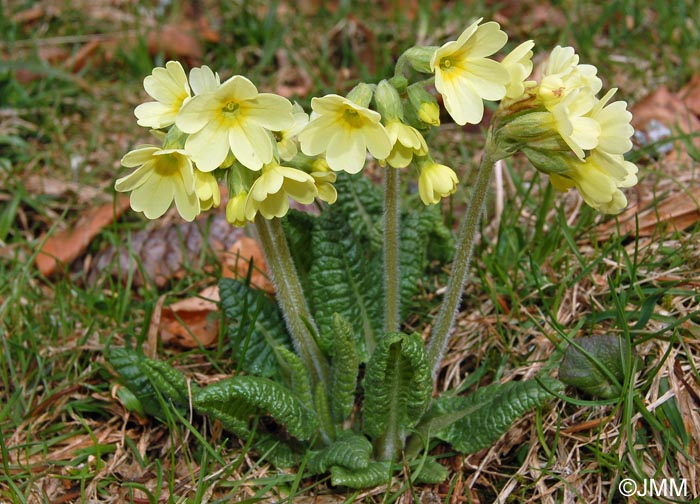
398 387
295 374
234 401
476 421
255 327
151 381
344 369
375 474
351 451
343 279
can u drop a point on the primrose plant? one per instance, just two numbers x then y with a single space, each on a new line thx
325 378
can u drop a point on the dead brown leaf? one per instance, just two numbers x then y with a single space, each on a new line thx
176 41
237 259
665 107
191 322
65 246
674 213
690 95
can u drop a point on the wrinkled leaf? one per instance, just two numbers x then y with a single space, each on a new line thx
344 279
350 450
423 236
151 381
398 387
476 421
375 474
344 369
295 375
235 400
255 327
362 204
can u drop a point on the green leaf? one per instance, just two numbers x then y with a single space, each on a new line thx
344 369
344 279
595 364
361 204
297 228
418 232
280 454
476 421
323 412
398 387
151 381
255 327
375 474
350 450
235 400
296 375
429 471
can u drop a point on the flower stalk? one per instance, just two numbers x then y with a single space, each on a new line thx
466 237
392 291
290 297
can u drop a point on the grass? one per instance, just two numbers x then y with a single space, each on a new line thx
541 276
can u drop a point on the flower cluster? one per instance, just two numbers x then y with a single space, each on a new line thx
568 133
269 150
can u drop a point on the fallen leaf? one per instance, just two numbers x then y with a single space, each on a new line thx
76 62
690 95
43 185
674 213
177 42
166 249
191 322
29 15
65 246
236 262
665 107
291 80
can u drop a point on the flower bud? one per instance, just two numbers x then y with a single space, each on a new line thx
388 102
361 94
174 139
235 210
549 162
419 57
425 105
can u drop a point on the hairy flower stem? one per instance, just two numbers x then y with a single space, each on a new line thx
290 298
391 250
440 333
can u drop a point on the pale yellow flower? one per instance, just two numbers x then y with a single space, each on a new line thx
162 175
598 179
614 121
287 139
207 190
435 182
579 131
518 63
562 75
235 210
236 118
168 86
271 191
407 142
464 76
204 80
345 131
324 181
